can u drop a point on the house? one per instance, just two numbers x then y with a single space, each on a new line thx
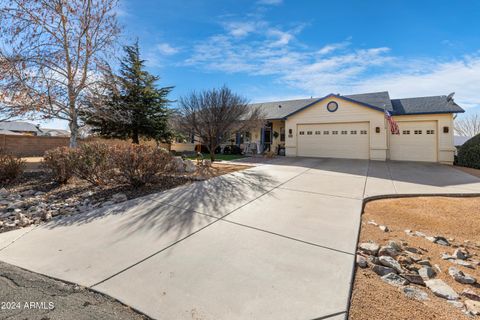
54 132
355 127
20 127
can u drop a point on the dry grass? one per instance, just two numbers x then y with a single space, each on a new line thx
457 218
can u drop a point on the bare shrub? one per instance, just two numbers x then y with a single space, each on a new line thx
59 163
92 162
11 168
138 165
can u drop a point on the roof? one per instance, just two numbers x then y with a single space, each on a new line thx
18 126
375 100
55 132
9 133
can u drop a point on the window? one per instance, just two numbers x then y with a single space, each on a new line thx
334 132
418 132
326 132
406 132
301 133
309 133
353 132
318 132
363 132
430 131
344 132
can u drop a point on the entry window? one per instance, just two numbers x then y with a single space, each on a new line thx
309 133
326 132
406 132
334 132
363 132
353 132
301 133
430 131
418 131
344 132
318 132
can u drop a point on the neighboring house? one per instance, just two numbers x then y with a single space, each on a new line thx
54 132
354 126
20 127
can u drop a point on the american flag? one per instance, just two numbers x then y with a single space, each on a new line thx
393 125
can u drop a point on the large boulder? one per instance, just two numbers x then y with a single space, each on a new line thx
441 289
190 166
369 247
461 277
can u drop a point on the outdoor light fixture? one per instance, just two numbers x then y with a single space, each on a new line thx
377 129
445 129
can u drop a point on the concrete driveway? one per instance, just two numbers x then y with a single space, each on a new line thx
276 241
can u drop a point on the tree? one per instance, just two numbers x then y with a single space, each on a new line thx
129 104
52 53
468 125
213 115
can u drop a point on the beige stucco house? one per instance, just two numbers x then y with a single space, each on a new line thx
354 127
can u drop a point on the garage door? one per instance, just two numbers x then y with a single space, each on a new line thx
334 140
417 141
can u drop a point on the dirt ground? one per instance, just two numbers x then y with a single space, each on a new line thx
28 295
457 219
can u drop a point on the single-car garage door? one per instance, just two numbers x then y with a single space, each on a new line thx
417 141
334 140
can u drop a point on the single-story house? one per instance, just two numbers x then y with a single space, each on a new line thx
355 127
20 127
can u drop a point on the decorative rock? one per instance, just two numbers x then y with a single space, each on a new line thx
24 222
384 228
387 251
420 234
395 245
463 263
178 164
412 250
107 203
4 192
361 261
415 293
408 232
413 256
373 223
461 277
18 214
431 239
472 295
369 247
390 262
119 197
441 241
424 263
381 270
426 272
413 278
460 254
207 163
47 216
394 279
404 260
190 166
473 307
456 304
446 256
441 289
373 260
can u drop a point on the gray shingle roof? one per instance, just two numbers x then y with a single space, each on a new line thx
18 126
376 100
425 105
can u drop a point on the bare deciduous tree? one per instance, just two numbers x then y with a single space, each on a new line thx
50 55
213 115
468 125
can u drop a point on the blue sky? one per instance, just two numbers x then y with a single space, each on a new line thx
284 49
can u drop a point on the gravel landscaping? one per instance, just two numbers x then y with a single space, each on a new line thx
418 258
34 197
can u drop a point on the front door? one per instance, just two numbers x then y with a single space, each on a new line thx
267 137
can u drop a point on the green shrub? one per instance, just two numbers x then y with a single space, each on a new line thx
138 165
59 163
469 153
92 162
11 168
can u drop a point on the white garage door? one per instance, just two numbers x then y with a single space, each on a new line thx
417 141
334 140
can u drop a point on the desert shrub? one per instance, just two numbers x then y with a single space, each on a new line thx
233 149
138 165
59 163
469 153
92 162
11 168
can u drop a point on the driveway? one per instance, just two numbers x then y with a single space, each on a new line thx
276 241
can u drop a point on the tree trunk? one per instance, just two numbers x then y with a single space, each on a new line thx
135 138
212 152
73 125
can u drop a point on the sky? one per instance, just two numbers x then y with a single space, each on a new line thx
271 50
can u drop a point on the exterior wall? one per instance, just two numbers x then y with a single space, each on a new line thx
445 145
30 146
347 112
182 147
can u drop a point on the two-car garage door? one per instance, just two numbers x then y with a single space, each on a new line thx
334 140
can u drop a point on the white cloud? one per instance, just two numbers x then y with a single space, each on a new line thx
269 2
335 67
166 49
